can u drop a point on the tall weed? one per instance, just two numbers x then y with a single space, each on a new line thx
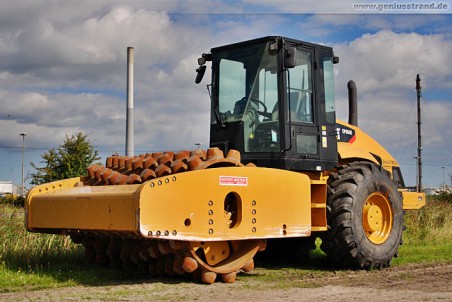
431 224
31 252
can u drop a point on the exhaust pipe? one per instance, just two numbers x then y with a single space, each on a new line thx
352 104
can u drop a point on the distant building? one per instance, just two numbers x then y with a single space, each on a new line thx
427 190
8 187
431 191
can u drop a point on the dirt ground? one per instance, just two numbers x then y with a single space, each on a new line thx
401 283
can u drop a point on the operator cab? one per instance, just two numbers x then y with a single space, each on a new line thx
273 100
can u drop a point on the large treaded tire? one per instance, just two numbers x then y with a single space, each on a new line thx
346 243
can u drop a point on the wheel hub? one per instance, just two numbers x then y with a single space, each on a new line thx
377 218
374 218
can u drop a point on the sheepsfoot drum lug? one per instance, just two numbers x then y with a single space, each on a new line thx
223 258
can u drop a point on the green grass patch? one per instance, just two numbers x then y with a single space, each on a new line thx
419 253
30 261
428 237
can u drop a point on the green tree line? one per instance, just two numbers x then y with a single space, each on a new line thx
71 159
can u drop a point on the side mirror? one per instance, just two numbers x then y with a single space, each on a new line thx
290 58
200 71
335 59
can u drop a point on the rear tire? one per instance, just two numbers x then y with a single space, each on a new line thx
365 217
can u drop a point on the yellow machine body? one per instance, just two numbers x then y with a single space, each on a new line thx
363 147
206 213
192 206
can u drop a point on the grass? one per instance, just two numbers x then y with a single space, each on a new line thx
34 261
428 237
26 258
30 261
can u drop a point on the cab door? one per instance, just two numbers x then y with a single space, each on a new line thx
302 112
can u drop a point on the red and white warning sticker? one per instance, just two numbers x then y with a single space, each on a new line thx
234 181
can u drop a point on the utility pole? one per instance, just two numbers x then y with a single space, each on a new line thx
419 136
444 181
23 166
129 113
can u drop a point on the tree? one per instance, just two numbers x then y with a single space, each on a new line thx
70 159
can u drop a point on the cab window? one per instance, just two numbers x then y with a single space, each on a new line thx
300 89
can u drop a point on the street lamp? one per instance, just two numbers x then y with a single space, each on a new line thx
23 167
198 144
444 183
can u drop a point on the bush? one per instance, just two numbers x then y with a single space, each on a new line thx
444 195
13 200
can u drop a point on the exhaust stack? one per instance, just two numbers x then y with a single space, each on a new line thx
352 104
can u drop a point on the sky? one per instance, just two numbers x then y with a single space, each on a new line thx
63 70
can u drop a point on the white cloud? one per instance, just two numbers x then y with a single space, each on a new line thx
69 76
63 67
386 59
384 66
297 7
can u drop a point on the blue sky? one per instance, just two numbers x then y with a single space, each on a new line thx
63 70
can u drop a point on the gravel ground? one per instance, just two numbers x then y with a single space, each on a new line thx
401 283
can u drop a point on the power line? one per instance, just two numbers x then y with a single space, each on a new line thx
437 127
424 164
26 148
98 150
404 131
